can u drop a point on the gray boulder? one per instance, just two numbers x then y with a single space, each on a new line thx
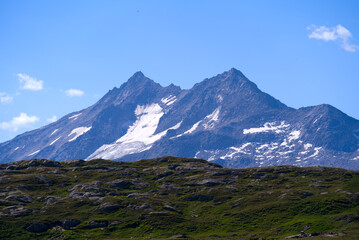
109 208
70 223
96 224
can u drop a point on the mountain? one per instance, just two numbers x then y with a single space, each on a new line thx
172 198
226 119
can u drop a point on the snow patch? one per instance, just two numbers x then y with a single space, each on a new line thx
33 153
318 119
293 135
169 100
54 132
285 153
78 132
139 137
235 151
263 146
74 117
307 146
211 119
316 152
54 141
220 98
176 126
193 128
268 127
142 130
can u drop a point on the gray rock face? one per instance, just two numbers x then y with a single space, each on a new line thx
226 119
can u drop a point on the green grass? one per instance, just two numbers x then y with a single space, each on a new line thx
271 203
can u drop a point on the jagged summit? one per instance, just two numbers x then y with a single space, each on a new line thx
226 119
139 79
234 71
138 74
232 79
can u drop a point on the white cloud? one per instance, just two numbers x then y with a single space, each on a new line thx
23 120
338 33
52 119
74 92
5 98
30 83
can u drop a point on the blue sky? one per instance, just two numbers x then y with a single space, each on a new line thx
58 57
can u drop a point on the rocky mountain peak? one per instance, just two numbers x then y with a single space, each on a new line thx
138 77
225 118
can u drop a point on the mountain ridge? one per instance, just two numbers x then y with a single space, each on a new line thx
225 118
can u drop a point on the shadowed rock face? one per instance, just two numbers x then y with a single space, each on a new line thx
226 119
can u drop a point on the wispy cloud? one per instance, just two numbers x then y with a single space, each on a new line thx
23 120
338 33
52 119
30 83
74 92
5 98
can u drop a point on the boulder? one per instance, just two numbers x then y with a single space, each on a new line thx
137 195
17 211
20 198
137 207
172 209
70 223
96 224
164 174
48 163
87 191
37 227
178 236
210 182
122 184
31 163
109 208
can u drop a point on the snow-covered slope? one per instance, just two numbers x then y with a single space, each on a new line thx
225 119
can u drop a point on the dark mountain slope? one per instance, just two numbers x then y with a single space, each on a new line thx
226 119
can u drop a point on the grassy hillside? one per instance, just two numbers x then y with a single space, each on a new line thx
164 197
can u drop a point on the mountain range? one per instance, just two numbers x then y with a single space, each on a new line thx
225 119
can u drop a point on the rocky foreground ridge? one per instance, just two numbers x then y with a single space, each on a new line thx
174 198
